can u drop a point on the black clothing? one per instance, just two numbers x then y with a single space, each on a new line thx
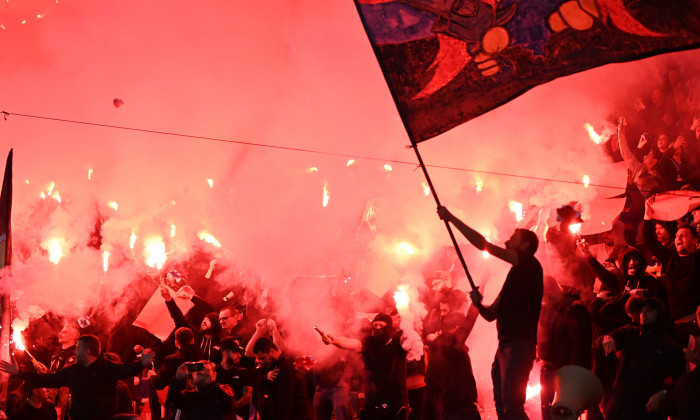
204 403
26 411
167 370
566 337
650 362
288 397
62 358
209 347
123 403
682 275
236 378
521 301
92 388
386 367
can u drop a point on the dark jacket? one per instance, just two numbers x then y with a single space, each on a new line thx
92 388
288 397
204 403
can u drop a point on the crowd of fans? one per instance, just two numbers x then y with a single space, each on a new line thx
626 306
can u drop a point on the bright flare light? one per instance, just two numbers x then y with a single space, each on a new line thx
517 209
210 182
595 137
575 228
51 187
43 196
405 248
426 189
350 162
55 252
132 240
479 184
312 170
586 181
17 338
401 299
533 391
155 252
56 196
105 260
114 205
326 195
90 173
172 230
388 167
208 238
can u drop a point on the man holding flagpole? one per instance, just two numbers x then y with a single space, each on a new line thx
516 311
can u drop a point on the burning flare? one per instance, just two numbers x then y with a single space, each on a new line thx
576 228
532 391
350 162
90 173
105 261
401 298
586 181
426 189
479 184
312 170
388 167
326 195
17 339
114 205
210 182
172 230
517 209
132 241
405 248
595 137
53 246
154 251
208 238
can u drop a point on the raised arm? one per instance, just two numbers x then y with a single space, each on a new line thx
477 239
489 313
344 343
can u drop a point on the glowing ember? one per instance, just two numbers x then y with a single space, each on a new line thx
208 238
326 195
595 137
154 251
51 187
312 170
172 230
586 181
575 228
485 254
479 184
517 209
388 167
210 182
350 162
426 189
405 248
132 241
401 298
533 391
105 260
53 246
43 196
114 205
56 196
90 173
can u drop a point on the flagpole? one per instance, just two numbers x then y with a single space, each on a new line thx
437 201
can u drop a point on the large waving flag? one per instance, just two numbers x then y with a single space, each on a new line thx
448 61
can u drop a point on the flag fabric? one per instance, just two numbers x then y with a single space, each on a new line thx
672 205
448 61
5 259
5 214
155 317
